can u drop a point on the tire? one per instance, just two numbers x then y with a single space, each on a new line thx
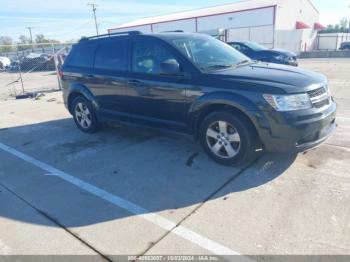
233 143
84 115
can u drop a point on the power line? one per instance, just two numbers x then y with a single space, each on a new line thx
77 29
94 11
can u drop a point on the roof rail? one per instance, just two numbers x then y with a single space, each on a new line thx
173 31
109 35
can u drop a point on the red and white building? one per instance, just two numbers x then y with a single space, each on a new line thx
286 24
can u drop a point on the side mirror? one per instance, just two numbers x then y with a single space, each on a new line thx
169 67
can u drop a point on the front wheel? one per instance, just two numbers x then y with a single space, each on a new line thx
84 115
228 139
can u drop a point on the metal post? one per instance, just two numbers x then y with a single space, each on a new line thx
349 20
19 70
56 67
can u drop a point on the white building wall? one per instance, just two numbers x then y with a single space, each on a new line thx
273 26
237 19
242 25
188 25
142 28
286 35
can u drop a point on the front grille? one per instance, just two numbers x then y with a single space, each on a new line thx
321 103
317 92
319 97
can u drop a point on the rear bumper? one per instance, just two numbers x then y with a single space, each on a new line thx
298 132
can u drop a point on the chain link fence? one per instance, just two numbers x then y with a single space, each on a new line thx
31 68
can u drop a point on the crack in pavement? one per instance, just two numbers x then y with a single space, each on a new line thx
231 179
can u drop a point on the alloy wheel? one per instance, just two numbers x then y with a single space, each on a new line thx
223 139
83 115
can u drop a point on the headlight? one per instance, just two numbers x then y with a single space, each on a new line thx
326 86
288 102
280 57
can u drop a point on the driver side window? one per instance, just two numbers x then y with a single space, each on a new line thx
148 55
241 48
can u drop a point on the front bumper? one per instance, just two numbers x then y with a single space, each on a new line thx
298 131
292 63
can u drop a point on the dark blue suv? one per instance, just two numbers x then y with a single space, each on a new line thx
259 52
196 84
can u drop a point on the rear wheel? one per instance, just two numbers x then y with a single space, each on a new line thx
228 139
84 115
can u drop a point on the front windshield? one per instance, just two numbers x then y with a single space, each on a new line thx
208 53
255 46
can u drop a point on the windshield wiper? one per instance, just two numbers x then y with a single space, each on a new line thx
214 67
244 62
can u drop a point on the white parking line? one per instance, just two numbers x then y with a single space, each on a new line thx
164 223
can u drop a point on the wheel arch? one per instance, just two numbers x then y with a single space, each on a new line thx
236 104
76 90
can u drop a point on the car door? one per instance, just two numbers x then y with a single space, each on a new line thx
109 78
156 97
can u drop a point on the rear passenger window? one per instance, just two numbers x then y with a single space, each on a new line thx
82 55
112 55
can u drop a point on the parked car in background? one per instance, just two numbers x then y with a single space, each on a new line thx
4 62
196 84
37 62
259 52
345 46
14 66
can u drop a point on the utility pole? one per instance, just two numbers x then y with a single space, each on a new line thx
30 33
94 11
31 36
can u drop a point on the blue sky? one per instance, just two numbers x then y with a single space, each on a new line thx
70 19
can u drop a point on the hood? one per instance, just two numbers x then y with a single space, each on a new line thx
279 52
289 79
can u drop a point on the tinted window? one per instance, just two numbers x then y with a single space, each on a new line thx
112 55
148 55
255 46
82 55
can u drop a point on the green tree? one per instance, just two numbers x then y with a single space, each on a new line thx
40 39
23 43
6 44
341 27
23 39
343 23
